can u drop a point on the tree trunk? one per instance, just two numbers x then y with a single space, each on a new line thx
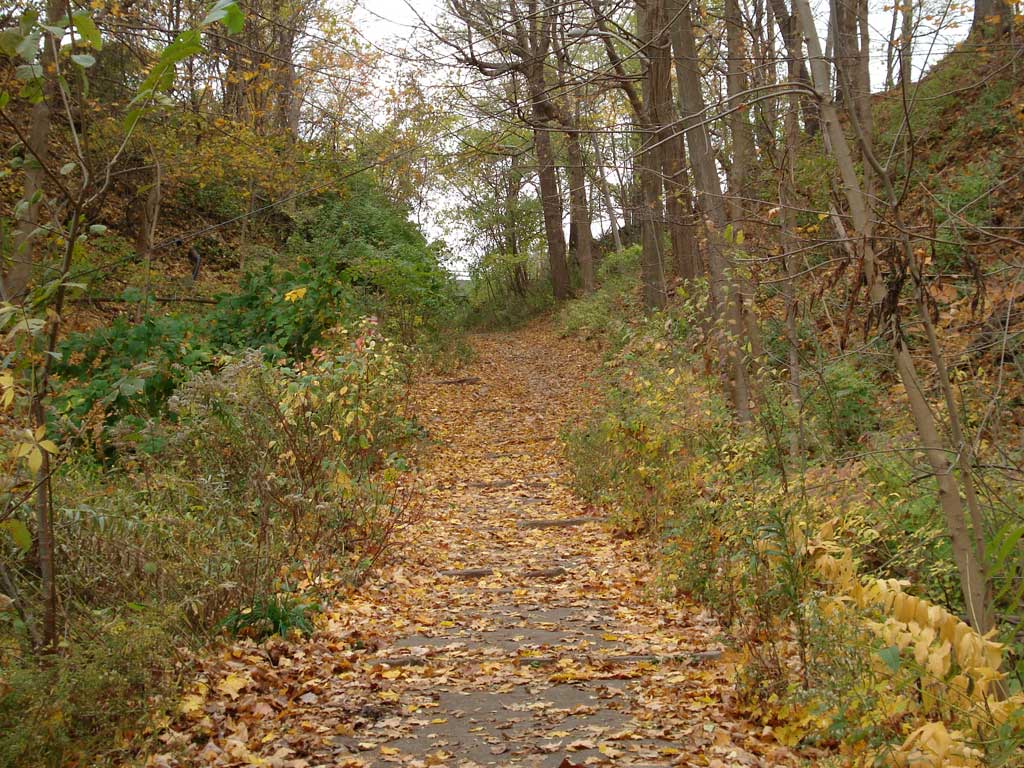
991 16
551 205
606 194
709 188
852 61
678 209
742 159
243 245
16 283
739 126
651 23
907 44
579 211
891 47
790 28
790 246
150 214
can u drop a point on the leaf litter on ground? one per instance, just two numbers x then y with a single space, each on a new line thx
489 637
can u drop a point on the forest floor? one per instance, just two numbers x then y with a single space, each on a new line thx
509 626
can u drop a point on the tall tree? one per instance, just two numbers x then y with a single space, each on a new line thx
725 297
519 40
652 28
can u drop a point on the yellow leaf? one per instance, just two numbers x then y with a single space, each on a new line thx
232 684
35 459
191 705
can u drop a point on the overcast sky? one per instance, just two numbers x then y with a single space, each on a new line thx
381 20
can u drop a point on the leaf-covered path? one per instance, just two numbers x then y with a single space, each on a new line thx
510 626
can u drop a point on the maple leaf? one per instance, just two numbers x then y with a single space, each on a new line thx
232 685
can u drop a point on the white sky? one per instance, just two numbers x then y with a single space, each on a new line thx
380 20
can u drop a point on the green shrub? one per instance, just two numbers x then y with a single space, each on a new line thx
353 255
243 452
127 369
617 267
600 313
220 200
843 403
901 535
298 447
506 291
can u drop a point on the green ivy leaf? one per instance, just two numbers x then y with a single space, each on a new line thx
235 19
131 119
26 73
228 12
83 60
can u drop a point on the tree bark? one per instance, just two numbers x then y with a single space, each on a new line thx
150 214
790 28
17 281
739 126
678 209
991 16
723 295
742 136
606 194
906 47
651 24
579 211
790 245
551 206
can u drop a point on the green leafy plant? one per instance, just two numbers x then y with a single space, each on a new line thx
270 615
843 403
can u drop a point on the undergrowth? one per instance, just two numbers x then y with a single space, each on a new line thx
742 522
219 472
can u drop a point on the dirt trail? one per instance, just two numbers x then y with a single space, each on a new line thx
512 627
